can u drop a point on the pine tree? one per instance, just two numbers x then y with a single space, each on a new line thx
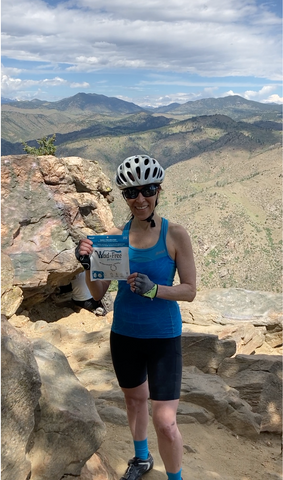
46 146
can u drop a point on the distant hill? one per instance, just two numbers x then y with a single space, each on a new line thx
131 124
168 108
6 100
173 141
233 106
31 120
8 148
82 102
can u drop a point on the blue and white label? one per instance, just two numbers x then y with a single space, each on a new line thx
110 257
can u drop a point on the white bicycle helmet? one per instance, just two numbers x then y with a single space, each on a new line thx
139 170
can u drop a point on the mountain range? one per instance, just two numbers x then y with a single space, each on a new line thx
92 102
86 116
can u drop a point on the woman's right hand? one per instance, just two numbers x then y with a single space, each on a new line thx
83 252
85 247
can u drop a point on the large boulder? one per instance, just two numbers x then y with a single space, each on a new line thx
230 306
212 393
247 337
68 429
48 204
251 318
206 352
50 425
11 295
96 468
258 378
20 393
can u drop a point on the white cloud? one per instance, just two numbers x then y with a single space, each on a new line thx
79 85
211 38
176 10
262 95
249 94
53 81
10 85
274 99
11 70
178 40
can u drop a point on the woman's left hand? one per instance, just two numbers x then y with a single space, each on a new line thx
131 281
142 285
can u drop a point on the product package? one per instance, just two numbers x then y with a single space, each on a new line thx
110 257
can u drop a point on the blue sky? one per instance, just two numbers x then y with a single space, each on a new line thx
151 53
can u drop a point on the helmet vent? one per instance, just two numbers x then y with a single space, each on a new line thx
147 172
123 177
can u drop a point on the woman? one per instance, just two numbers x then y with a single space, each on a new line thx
145 336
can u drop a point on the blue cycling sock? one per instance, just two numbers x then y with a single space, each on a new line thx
141 449
174 476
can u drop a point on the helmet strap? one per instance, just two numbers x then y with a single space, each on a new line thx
150 219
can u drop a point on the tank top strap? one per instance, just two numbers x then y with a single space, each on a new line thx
163 234
127 226
164 228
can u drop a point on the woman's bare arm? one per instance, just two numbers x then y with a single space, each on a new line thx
179 244
180 249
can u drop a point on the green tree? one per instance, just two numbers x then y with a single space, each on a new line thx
46 146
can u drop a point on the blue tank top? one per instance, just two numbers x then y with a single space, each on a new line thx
140 317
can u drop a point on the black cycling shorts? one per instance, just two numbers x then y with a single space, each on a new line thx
157 359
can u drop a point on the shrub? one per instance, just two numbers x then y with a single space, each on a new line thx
46 146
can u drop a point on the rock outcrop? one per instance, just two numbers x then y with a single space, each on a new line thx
258 378
20 393
11 295
205 351
250 318
48 204
68 429
50 425
212 393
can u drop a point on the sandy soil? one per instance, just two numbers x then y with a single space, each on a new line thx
211 452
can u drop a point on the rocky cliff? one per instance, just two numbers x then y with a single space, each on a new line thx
48 204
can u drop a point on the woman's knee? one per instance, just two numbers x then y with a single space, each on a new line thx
134 403
167 430
164 420
136 397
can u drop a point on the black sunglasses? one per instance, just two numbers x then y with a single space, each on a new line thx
146 191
